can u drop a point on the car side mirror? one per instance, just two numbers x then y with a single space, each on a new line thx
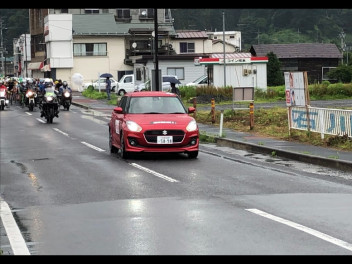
191 109
118 110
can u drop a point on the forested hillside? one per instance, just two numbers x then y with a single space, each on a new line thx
270 26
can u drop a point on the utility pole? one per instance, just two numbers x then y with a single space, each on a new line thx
156 62
223 36
2 48
342 35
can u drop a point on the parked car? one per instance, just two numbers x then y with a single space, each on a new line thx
166 86
101 83
202 80
152 121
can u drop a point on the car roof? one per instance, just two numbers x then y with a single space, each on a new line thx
151 93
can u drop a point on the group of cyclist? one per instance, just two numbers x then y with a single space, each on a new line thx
16 88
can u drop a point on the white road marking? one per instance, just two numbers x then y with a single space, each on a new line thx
28 113
14 235
91 146
154 173
40 120
58 130
308 230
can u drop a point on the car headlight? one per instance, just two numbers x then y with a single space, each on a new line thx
192 126
133 126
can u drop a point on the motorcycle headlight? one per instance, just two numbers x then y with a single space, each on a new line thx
67 94
49 98
192 126
28 94
133 126
2 93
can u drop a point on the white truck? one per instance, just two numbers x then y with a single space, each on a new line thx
128 84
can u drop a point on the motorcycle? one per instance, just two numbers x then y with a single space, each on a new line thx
49 105
66 99
3 99
31 96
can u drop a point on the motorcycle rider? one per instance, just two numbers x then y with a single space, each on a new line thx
48 85
2 86
41 90
23 89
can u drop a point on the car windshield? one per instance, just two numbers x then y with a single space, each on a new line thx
156 105
199 79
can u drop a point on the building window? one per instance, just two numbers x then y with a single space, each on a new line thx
91 11
179 72
123 13
146 13
89 49
325 71
187 47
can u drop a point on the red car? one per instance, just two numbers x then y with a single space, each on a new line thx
153 121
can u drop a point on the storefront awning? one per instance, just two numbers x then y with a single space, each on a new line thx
34 65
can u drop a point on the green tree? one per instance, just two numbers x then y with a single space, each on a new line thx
274 75
343 73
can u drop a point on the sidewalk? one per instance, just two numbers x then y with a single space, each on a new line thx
240 140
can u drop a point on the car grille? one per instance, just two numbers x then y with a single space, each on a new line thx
151 135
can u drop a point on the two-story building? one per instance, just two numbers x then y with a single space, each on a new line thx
119 41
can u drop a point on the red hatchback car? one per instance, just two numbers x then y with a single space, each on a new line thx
153 121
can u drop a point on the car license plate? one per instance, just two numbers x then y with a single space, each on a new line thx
164 140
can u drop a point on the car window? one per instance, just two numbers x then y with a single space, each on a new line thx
122 103
162 105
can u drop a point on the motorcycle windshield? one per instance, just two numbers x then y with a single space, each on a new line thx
50 92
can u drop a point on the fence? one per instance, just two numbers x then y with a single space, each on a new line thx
321 120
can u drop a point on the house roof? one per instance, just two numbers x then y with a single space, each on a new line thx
231 55
298 50
105 24
190 34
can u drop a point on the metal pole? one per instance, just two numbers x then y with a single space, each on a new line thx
25 50
223 36
2 49
156 50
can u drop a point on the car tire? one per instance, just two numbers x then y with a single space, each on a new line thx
193 154
123 153
111 147
121 92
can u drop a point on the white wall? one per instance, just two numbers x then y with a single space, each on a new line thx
236 78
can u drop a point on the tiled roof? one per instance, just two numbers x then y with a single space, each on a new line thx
192 34
105 24
298 50
231 55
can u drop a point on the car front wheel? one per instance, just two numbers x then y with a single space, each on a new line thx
111 147
123 153
121 92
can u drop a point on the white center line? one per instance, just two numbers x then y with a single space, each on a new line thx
154 173
58 130
93 147
308 230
